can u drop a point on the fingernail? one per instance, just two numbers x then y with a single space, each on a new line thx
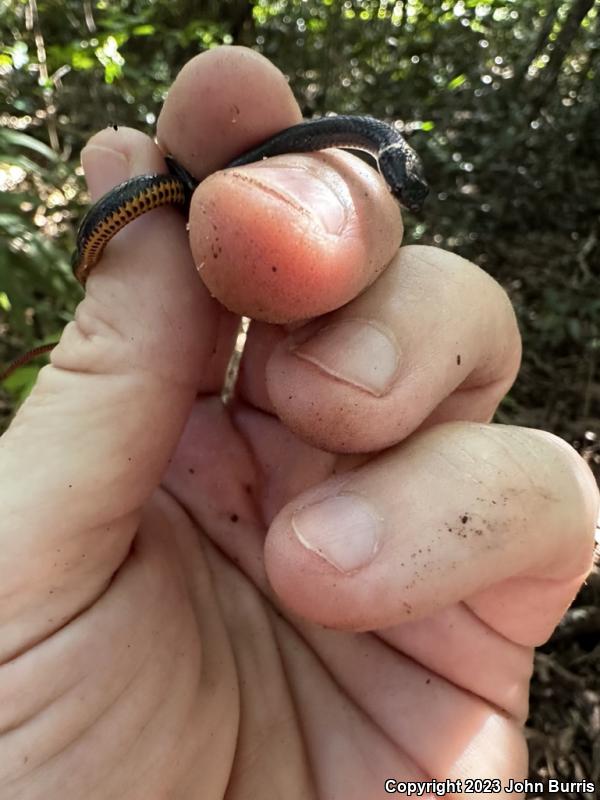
326 200
343 530
104 168
356 351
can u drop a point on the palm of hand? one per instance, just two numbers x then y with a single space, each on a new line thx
283 706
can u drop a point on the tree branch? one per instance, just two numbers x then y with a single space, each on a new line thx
564 40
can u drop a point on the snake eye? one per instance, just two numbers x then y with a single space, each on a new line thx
414 191
402 171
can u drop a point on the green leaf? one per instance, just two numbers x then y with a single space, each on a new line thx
22 381
19 161
456 82
144 30
13 224
24 140
82 61
112 71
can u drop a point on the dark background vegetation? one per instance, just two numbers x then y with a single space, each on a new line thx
501 99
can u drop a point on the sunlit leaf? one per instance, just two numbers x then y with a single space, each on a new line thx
82 60
144 30
459 80
22 381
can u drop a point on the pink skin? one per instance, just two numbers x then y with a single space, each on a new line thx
272 258
262 248
172 625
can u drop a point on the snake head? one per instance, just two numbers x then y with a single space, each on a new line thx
403 173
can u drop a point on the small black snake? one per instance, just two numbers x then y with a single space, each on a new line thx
398 163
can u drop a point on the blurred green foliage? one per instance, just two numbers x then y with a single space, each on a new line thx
499 97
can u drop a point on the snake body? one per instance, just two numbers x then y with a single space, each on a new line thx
397 161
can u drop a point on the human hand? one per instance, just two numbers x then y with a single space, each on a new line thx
231 633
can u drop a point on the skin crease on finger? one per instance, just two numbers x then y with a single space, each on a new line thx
263 250
415 374
184 675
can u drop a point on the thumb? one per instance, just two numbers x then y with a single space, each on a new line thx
93 439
